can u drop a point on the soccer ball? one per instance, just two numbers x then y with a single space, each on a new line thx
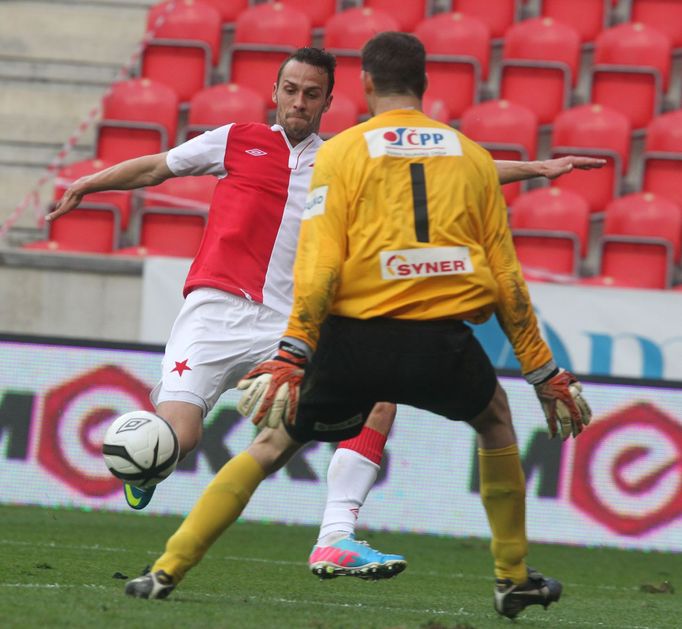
140 448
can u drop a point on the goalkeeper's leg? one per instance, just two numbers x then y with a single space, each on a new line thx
503 492
503 487
219 506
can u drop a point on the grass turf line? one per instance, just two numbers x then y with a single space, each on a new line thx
58 567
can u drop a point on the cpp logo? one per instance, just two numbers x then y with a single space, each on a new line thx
627 470
412 142
75 416
402 136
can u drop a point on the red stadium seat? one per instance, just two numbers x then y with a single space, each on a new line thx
664 133
183 193
662 160
587 17
507 130
265 35
120 199
663 15
344 35
499 15
550 228
173 216
166 232
597 131
540 63
222 104
435 108
341 115
318 12
185 47
229 9
408 15
640 242
139 117
458 49
631 71
91 228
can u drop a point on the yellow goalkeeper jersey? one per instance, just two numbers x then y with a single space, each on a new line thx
405 219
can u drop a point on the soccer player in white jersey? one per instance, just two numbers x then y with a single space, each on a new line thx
238 290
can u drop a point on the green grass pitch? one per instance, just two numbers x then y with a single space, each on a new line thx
58 567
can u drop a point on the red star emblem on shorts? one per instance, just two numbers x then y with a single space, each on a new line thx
181 367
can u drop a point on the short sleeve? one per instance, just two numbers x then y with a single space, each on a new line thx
202 155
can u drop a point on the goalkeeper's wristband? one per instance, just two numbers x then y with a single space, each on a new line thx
292 353
542 374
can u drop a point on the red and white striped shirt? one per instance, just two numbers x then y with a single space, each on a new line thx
249 245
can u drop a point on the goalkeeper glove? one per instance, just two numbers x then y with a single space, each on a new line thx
270 390
565 408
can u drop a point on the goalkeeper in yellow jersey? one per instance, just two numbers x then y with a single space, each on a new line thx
404 240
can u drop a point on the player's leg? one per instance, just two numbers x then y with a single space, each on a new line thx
503 492
216 338
352 472
354 466
186 420
219 506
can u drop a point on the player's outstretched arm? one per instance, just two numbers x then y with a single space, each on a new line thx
149 170
511 171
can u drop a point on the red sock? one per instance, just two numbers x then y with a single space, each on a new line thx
369 443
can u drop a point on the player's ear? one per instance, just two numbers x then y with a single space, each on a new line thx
328 104
274 93
367 82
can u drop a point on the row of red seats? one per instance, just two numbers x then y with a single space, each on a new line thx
167 220
540 60
640 244
588 17
141 117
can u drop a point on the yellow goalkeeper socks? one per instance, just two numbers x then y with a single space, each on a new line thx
219 506
503 492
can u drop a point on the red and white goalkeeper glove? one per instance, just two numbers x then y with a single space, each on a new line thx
565 408
270 390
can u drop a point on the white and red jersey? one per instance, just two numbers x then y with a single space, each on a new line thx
249 244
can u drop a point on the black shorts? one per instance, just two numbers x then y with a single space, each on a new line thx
438 366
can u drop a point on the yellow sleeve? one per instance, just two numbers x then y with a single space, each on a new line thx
321 249
514 308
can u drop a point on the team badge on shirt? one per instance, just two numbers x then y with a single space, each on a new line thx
412 142
407 264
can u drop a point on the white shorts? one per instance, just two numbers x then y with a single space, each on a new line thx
215 340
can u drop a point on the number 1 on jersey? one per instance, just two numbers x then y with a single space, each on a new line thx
421 210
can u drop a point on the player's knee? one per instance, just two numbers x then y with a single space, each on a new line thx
494 423
187 423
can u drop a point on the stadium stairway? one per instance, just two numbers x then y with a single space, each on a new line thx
56 60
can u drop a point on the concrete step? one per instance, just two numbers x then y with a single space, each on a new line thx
16 182
54 71
21 155
44 112
94 32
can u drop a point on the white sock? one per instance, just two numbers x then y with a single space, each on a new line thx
349 478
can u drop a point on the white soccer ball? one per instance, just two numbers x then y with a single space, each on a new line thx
140 448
